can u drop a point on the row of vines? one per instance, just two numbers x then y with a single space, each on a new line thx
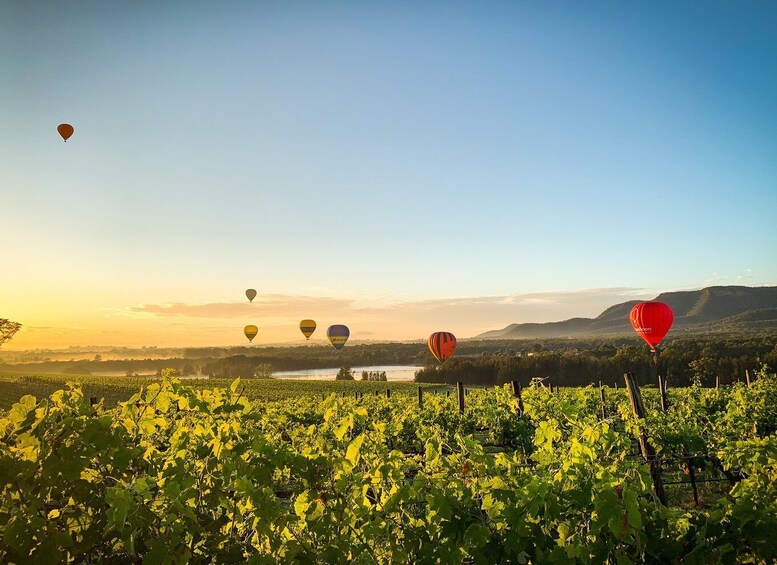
178 474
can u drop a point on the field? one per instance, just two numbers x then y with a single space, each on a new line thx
268 471
13 385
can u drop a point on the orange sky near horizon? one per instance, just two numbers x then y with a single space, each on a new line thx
95 318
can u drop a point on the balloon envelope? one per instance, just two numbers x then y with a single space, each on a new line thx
651 320
307 327
250 294
250 332
65 130
442 344
338 335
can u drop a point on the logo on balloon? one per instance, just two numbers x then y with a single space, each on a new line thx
651 321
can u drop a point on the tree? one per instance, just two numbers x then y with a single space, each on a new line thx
344 374
8 329
263 371
374 376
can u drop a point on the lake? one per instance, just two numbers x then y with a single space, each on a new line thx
394 373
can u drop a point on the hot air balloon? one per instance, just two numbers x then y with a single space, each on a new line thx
250 294
651 320
338 335
65 130
442 344
250 332
307 327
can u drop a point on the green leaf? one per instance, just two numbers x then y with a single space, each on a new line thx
119 504
353 453
20 410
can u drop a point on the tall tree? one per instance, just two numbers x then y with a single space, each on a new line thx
8 329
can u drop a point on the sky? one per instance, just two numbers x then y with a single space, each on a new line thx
399 167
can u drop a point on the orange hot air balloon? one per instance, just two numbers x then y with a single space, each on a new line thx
251 332
250 294
65 130
442 344
651 320
307 327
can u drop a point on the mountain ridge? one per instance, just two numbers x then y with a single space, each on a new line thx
714 308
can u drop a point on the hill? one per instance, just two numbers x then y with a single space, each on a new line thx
715 308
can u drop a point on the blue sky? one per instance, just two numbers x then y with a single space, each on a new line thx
382 154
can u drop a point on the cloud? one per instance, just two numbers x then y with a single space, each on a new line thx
269 305
381 318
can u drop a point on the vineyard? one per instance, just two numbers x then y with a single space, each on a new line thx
113 390
179 472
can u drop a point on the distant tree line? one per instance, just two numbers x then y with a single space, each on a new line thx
566 361
683 362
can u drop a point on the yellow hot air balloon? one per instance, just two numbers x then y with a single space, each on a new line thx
250 332
250 294
307 327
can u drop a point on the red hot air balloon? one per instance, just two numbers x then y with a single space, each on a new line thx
651 320
442 344
65 130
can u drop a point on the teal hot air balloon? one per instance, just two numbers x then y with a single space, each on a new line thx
338 335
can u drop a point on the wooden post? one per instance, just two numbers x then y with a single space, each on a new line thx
447 394
420 397
356 395
514 387
388 393
460 390
92 400
648 453
601 401
691 475
616 385
717 381
747 377
662 392
377 392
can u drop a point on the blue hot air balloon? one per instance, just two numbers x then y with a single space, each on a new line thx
338 335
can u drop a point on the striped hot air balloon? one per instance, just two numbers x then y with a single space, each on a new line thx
442 344
250 332
338 335
307 327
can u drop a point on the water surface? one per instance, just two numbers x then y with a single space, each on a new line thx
394 373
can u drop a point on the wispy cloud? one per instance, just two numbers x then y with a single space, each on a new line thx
269 305
382 318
